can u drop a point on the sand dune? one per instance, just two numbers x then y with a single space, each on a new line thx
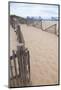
43 48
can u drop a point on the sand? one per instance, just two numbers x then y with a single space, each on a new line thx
43 48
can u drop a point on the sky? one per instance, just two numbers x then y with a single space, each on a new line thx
35 10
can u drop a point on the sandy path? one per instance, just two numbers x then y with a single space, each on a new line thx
43 48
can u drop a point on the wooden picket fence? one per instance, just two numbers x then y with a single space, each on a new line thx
19 68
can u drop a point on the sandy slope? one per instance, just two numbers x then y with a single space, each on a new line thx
43 48
13 42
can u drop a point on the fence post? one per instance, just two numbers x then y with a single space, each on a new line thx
41 24
16 76
55 28
20 49
11 81
29 64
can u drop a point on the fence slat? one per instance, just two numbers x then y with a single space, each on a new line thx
19 54
55 29
29 64
15 67
11 82
25 70
23 61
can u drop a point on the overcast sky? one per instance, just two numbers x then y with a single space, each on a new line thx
24 10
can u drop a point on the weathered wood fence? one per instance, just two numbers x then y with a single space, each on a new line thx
19 74
20 68
51 29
